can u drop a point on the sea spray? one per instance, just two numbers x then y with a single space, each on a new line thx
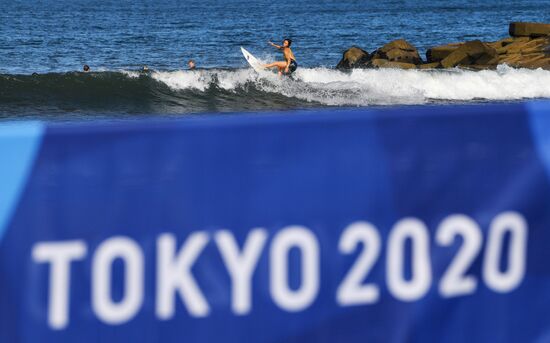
363 87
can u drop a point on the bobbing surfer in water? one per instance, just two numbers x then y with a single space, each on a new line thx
289 65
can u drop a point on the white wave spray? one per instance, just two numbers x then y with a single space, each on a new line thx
363 87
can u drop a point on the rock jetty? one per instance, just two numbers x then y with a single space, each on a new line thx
527 47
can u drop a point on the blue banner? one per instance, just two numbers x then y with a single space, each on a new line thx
420 224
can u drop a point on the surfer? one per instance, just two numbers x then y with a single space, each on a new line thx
289 65
192 65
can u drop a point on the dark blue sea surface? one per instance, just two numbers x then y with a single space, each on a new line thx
118 37
62 35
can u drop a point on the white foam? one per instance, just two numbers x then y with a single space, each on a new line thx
231 80
362 87
178 80
131 74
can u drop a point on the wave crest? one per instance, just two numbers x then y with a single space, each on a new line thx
243 89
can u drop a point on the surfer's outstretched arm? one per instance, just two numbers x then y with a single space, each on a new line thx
275 45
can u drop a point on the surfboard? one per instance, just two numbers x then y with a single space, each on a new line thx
253 61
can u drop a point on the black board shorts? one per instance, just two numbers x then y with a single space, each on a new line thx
292 67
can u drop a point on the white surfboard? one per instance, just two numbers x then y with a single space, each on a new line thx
253 61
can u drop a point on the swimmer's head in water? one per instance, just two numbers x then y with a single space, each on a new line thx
86 68
191 64
287 42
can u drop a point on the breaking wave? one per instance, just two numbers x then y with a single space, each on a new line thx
215 90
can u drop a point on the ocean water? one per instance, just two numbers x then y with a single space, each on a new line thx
117 37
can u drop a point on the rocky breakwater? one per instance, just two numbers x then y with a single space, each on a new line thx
527 47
